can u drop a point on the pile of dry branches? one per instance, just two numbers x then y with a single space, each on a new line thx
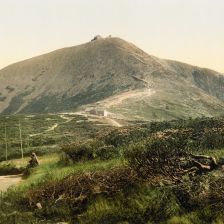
77 189
216 193
167 154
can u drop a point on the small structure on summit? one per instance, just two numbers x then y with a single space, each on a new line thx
97 37
97 111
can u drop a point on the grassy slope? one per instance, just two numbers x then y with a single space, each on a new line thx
35 134
125 207
132 205
49 170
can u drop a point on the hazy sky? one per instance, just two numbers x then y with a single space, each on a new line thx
191 31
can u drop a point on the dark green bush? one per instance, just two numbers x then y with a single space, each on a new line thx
78 152
206 133
10 169
159 155
81 151
124 136
106 152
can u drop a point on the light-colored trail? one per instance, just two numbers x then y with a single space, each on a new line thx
52 128
8 181
110 121
113 122
131 94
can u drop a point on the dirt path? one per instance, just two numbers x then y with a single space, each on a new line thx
51 128
113 122
8 181
120 98
110 121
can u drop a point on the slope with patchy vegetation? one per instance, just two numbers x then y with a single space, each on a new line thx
113 74
42 133
146 173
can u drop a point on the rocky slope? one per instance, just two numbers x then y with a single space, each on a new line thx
113 74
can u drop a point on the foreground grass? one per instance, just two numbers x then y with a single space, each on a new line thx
143 204
50 169
106 197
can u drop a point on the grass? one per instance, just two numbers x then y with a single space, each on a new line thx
140 203
218 153
68 129
143 204
50 169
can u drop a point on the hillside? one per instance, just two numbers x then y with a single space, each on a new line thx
113 74
106 178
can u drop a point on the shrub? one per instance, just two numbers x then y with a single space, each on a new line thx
159 155
206 133
203 196
106 152
81 151
10 169
77 189
123 136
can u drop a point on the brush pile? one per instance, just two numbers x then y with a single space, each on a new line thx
78 189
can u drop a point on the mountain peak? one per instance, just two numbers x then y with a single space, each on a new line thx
114 74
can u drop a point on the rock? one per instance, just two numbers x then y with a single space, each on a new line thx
39 206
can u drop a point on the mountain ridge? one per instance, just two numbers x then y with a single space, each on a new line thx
90 73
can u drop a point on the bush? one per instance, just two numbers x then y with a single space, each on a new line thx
81 151
206 133
106 152
123 136
159 155
89 150
77 190
10 169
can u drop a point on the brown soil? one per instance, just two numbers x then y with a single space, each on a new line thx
8 181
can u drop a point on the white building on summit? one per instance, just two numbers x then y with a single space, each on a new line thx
97 111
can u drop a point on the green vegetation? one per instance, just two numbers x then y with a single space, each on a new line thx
10 169
144 173
41 133
89 150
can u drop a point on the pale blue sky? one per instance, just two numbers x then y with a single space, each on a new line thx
191 31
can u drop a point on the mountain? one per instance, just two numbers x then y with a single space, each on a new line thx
113 74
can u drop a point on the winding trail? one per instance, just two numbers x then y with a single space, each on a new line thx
8 181
110 121
113 122
52 128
